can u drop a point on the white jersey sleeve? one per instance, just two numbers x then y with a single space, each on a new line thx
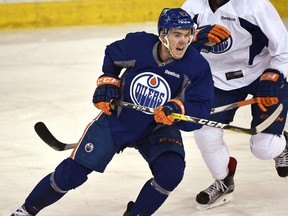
259 40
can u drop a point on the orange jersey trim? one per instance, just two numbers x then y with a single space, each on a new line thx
86 129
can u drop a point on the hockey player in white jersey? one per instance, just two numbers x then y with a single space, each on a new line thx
253 61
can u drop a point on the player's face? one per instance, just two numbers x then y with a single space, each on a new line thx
179 39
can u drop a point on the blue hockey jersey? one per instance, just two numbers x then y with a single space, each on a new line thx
149 82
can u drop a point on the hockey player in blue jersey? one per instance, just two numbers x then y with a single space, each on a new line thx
160 71
253 61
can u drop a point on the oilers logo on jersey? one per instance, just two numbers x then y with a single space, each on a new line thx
150 90
222 47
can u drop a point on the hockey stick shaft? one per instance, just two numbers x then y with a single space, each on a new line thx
233 105
213 110
210 123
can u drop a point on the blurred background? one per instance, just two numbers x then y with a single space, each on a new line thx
55 13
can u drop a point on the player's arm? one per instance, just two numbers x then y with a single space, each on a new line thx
198 93
275 38
108 84
273 35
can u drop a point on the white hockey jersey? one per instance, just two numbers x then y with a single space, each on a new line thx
259 40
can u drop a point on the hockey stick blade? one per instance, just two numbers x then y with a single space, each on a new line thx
210 123
265 124
44 133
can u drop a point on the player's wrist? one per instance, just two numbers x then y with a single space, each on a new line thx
108 80
176 106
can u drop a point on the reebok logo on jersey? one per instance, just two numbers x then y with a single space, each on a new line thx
150 90
172 73
228 18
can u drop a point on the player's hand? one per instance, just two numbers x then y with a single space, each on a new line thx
162 113
108 88
211 35
271 81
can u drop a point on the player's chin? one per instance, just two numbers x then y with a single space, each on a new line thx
179 55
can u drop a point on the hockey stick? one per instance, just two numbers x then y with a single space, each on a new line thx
262 126
44 133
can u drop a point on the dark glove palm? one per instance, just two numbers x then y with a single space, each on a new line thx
106 93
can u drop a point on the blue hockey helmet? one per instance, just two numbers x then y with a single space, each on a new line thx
174 18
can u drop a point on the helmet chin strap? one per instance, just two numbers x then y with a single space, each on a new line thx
166 44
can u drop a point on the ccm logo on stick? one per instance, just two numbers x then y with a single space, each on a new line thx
211 123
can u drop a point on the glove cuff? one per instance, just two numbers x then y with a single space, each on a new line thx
270 75
104 80
179 105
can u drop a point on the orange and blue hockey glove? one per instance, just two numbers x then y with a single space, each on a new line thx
162 113
211 35
108 88
271 81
